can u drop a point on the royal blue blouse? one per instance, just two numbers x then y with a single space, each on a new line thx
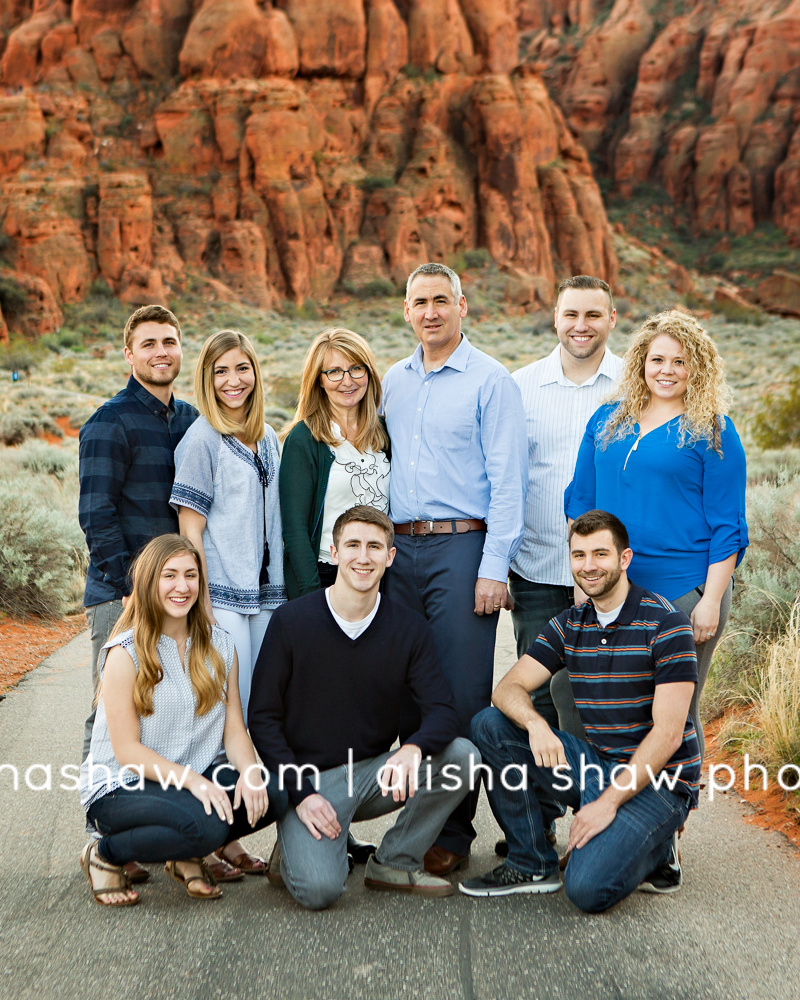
684 507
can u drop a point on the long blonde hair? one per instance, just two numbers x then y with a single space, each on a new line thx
220 343
707 395
313 406
145 616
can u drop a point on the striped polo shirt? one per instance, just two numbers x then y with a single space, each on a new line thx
614 672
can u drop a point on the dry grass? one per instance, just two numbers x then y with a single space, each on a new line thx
778 696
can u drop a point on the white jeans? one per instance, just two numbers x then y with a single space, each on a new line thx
247 632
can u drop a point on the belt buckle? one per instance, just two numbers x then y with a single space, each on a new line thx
430 527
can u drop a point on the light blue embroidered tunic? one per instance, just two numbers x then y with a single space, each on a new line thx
174 729
216 475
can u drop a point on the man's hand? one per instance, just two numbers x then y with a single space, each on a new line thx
587 822
546 747
319 817
490 596
399 774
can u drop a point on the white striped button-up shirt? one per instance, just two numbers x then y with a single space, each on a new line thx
556 414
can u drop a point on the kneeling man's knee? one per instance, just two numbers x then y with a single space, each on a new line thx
588 895
320 895
485 726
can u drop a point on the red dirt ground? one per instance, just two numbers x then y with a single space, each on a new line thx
23 645
69 431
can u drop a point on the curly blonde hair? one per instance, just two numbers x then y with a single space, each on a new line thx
707 396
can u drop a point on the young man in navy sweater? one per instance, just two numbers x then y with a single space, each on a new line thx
332 676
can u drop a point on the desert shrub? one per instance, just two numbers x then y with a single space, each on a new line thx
19 356
777 420
767 585
778 713
41 458
26 422
478 257
42 553
374 289
374 182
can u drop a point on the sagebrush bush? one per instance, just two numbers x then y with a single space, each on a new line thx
42 552
777 420
25 422
767 585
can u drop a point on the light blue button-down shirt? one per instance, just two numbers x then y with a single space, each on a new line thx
459 448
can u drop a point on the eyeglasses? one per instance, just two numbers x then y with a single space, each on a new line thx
337 374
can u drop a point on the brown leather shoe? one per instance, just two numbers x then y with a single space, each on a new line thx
135 872
440 861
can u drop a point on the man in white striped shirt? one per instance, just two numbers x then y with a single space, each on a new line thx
559 394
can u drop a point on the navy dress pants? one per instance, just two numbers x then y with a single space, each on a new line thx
435 575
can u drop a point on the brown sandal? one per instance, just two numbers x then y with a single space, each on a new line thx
91 859
250 864
205 876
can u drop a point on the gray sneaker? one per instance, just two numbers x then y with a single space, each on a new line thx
505 880
419 883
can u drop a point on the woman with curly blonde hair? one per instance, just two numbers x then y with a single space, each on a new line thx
663 456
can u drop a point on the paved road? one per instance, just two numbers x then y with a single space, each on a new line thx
730 934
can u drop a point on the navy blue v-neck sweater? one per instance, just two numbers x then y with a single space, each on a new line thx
317 693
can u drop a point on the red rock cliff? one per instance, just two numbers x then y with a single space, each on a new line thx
280 149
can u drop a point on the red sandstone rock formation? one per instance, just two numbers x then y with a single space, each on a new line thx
315 144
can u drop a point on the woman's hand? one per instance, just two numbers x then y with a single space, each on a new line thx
211 795
253 794
705 619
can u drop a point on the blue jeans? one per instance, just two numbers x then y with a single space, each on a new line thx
169 824
315 871
534 605
435 575
616 860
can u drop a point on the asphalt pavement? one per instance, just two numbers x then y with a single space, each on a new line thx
731 933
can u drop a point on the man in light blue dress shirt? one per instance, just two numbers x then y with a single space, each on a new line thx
457 496
559 394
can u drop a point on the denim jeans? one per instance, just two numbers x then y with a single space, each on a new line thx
102 619
616 860
169 824
315 871
535 604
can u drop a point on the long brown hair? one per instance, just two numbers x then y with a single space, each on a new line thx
220 343
313 406
707 391
145 616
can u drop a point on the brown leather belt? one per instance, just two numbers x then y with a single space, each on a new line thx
457 526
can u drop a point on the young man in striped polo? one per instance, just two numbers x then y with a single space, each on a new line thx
630 657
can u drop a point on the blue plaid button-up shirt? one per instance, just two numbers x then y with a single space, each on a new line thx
126 469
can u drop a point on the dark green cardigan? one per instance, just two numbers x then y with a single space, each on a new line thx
305 468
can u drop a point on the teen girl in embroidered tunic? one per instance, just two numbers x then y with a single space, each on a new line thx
226 496
168 703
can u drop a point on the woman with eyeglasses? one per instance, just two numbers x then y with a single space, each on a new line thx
336 454
226 496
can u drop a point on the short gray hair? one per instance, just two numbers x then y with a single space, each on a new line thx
439 271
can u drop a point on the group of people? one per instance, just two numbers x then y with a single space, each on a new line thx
305 634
